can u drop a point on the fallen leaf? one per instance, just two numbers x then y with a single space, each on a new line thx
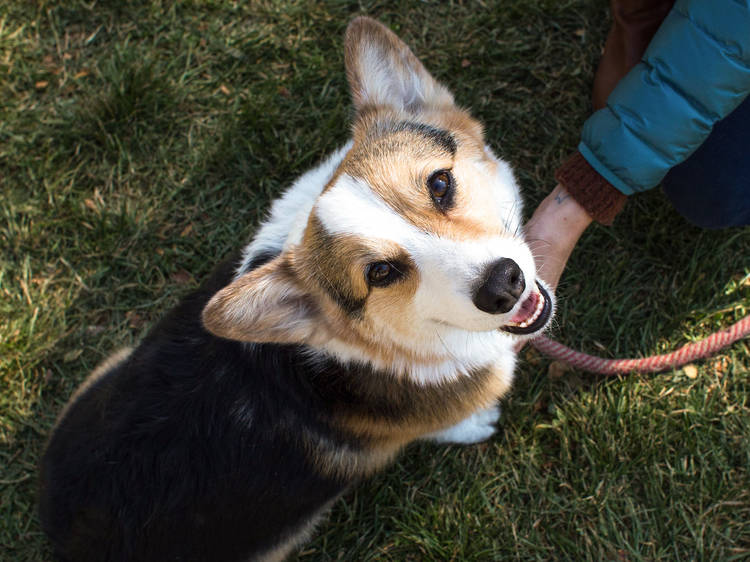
134 319
580 32
574 381
94 329
691 371
224 90
187 230
80 74
540 405
465 63
181 277
284 92
557 370
41 84
72 355
531 357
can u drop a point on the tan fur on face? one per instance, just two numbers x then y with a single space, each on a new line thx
396 163
298 296
389 86
336 264
333 269
339 262
283 301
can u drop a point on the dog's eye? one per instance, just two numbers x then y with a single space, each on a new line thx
381 273
440 184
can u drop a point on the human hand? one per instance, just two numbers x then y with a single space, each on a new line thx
553 232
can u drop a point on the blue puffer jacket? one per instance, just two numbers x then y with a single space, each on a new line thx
695 71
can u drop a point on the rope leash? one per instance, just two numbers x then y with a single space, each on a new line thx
653 364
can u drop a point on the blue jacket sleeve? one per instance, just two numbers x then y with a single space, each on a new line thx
695 71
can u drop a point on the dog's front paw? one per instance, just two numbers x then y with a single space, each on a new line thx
478 427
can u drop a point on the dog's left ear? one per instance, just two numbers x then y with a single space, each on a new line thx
267 305
382 70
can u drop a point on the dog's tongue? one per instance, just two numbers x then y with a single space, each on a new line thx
527 308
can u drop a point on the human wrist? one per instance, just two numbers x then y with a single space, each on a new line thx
571 212
601 200
561 216
553 233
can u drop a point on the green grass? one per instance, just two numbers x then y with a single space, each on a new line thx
140 142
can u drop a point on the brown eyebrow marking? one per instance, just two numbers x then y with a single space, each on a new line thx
441 137
336 264
327 269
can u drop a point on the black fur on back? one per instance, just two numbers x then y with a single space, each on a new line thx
190 449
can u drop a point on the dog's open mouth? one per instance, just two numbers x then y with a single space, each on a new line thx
533 315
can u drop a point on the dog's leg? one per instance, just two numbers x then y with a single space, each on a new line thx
478 427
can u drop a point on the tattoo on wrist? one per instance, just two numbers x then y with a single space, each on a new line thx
560 197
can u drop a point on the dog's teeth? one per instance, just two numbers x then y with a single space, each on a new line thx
534 315
537 312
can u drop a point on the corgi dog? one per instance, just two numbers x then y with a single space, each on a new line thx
378 304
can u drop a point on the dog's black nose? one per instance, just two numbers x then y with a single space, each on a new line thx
501 288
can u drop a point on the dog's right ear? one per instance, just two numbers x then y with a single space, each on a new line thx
382 70
266 305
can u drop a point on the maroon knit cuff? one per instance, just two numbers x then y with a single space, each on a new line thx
600 198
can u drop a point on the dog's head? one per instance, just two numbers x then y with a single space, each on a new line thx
415 243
